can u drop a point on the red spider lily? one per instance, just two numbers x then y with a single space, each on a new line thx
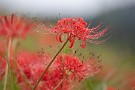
76 28
76 69
64 66
13 26
33 65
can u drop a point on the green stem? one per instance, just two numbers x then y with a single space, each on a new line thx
19 67
8 66
49 65
5 81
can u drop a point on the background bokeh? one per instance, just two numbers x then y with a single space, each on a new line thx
117 54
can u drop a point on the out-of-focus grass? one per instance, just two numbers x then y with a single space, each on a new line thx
9 86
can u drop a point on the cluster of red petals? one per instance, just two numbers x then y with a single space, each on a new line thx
75 68
64 66
32 65
13 26
76 28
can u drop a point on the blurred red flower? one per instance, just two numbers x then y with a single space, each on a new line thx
13 26
64 66
2 60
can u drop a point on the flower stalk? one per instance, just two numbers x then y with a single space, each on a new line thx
23 75
20 69
8 65
34 88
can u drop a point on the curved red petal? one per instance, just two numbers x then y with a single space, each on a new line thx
60 37
72 40
83 45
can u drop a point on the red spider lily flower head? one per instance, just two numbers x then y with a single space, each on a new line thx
33 65
75 68
13 26
130 80
76 28
64 65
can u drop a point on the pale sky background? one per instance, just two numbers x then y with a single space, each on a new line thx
67 8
